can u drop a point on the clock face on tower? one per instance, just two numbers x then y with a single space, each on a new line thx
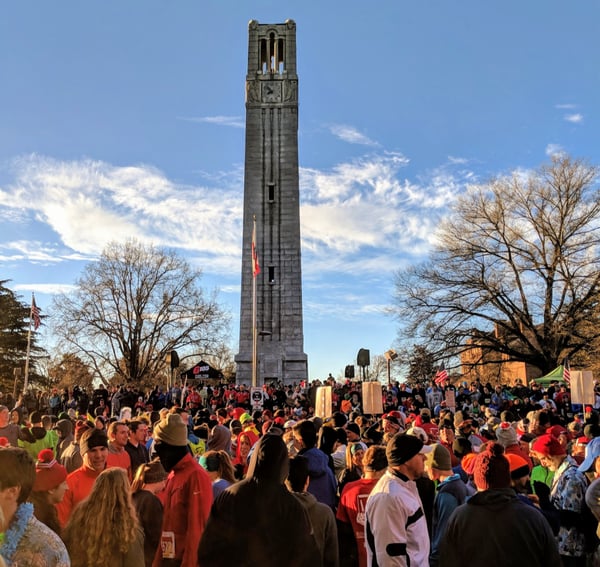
271 91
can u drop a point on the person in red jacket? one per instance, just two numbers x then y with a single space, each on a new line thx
186 499
94 450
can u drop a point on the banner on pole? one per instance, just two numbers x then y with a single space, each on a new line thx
372 398
323 402
582 387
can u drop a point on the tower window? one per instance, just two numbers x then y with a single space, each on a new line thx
280 57
264 57
272 54
271 274
271 188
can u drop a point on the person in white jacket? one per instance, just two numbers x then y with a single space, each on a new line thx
396 528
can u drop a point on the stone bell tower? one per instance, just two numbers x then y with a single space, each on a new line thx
271 195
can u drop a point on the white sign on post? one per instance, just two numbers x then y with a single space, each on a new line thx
323 402
372 398
256 398
582 387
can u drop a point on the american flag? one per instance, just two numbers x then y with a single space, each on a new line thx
441 375
566 371
35 314
255 264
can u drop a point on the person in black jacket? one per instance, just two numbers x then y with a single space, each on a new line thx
258 521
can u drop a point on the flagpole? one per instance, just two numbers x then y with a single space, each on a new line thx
254 328
26 377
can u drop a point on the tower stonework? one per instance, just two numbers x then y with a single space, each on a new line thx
271 195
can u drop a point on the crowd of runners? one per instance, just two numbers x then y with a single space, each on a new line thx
199 475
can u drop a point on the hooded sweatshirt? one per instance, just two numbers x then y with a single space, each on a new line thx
323 485
324 527
257 521
65 431
42 439
495 528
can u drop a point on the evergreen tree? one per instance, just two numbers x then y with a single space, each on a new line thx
14 326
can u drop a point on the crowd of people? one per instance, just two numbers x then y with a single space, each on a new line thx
471 474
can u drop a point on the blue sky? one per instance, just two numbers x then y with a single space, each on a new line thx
126 119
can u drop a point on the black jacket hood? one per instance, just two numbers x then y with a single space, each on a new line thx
269 461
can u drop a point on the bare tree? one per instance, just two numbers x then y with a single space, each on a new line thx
70 371
132 307
516 269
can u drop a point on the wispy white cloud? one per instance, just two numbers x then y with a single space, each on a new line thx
37 252
360 216
89 203
231 121
574 118
457 160
48 288
351 135
565 106
554 150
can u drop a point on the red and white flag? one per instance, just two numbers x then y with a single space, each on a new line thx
566 371
441 375
255 264
35 314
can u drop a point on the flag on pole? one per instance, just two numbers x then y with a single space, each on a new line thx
441 375
35 314
567 371
255 264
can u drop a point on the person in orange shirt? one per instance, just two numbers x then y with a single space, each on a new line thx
118 435
94 450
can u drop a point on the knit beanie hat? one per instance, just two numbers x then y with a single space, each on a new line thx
548 446
491 469
518 466
468 463
557 430
353 427
402 448
171 430
439 458
92 438
245 418
154 472
81 427
49 473
506 434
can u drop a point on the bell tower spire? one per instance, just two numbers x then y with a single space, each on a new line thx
271 196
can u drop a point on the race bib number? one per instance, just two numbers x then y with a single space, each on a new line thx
167 544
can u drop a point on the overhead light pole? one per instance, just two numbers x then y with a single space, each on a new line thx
389 356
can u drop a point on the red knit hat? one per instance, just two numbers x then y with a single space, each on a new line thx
492 469
557 430
49 473
548 446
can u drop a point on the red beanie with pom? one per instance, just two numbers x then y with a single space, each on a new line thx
49 473
492 469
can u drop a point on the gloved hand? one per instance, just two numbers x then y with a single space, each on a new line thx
542 491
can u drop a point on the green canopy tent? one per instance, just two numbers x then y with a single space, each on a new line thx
556 374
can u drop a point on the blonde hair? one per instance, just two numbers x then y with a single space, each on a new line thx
110 520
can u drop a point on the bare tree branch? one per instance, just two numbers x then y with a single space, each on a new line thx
516 265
